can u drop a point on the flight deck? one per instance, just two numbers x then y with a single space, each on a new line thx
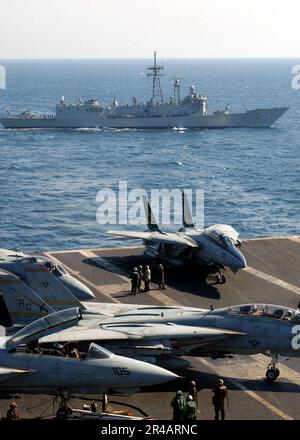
272 276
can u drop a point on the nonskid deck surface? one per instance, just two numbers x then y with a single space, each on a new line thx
272 276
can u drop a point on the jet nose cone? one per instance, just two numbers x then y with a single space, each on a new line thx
154 375
238 260
77 288
242 261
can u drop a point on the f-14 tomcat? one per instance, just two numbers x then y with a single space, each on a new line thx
162 335
99 371
216 246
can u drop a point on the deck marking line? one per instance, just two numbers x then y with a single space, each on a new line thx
250 393
273 280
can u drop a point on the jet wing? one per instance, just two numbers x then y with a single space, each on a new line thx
117 332
166 237
169 331
7 373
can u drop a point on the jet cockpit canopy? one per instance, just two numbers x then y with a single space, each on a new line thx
266 310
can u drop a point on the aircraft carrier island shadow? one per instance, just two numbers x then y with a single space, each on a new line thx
190 280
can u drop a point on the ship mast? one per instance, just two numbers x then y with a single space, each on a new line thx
156 86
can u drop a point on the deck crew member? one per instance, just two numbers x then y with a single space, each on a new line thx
134 281
178 404
161 277
141 275
218 400
193 391
190 409
147 278
13 412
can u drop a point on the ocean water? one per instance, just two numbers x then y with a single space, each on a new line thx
49 178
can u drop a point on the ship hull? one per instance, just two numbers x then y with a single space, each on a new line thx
252 118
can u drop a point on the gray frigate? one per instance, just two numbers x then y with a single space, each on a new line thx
157 113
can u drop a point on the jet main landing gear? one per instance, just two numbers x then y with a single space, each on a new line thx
221 277
63 410
272 372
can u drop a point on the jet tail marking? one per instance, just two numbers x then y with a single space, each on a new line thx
23 304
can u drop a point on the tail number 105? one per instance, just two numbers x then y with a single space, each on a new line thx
118 371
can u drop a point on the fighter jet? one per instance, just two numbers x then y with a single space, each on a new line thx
215 247
162 335
27 266
98 371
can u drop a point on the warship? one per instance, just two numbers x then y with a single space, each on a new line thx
157 113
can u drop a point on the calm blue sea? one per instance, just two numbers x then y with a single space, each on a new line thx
49 179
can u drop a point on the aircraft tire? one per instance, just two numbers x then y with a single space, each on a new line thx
272 374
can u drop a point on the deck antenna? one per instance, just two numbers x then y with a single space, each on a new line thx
156 86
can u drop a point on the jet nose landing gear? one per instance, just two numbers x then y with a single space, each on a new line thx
217 277
272 372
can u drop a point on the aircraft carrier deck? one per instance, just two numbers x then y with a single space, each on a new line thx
272 276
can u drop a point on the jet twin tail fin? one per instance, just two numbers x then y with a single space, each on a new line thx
187 219
50 289
151 222
25 305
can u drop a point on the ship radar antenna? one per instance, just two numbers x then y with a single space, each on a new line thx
177 84
156 86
